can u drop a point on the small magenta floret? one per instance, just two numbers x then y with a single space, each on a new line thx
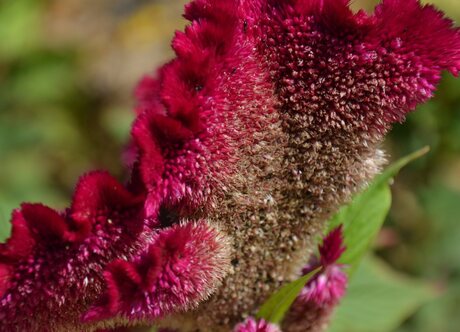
253 325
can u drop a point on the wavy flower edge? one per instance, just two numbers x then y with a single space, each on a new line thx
180 268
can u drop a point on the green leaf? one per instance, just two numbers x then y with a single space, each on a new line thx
362 221
379 299
274 309
364 216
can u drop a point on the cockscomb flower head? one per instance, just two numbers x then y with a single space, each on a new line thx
253 325
269 118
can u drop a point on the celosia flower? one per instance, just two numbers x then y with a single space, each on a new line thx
327 287
269 118
322 293
252 325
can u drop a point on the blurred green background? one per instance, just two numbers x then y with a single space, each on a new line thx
67 71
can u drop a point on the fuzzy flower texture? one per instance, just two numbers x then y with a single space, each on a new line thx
268 119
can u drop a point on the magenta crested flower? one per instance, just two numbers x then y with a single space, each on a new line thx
252 325
269 118
327 287
314 305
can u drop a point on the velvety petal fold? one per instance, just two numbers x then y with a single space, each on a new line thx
5 275
421 32
21 241
182 267
387 62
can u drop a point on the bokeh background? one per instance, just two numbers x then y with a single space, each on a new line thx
67 72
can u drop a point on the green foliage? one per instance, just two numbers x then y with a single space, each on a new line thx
4 227
364 216
19 27
441 252
275 308
379 299
42 79
440 314
438 253
53 126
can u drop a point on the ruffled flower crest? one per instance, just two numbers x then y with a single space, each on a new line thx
172 135
182 267
367 71
52 264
